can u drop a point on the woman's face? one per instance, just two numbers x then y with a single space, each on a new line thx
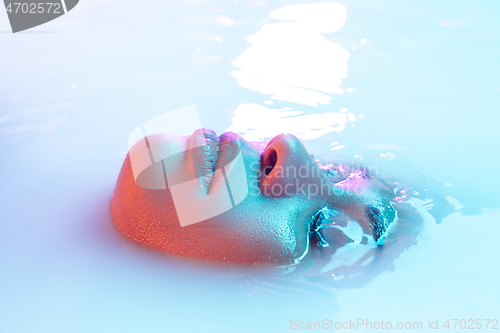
223 198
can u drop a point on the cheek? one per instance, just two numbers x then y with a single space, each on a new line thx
259 230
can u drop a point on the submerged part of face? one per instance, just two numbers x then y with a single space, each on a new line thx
274 198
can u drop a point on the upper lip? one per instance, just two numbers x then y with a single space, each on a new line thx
218 152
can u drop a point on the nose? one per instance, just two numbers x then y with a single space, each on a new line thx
288 170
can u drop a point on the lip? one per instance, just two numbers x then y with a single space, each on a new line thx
227 149
199 158
207 161
211 148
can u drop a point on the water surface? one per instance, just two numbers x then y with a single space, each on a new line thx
409 89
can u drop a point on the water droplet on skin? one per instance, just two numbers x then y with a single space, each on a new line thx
415 193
